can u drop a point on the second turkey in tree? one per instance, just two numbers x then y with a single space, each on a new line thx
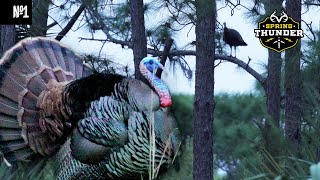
232 38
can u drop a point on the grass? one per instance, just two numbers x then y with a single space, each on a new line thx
182 169
277 168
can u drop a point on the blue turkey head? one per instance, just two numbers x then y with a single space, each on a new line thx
148 67
151 63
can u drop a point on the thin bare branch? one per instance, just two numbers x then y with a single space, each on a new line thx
218 64
74 18
52 24
309 26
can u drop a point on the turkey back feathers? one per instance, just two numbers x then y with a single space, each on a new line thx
85 90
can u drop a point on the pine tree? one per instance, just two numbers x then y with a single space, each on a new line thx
7 37
293 83
204 89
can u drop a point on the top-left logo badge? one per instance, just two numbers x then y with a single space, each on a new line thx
16 12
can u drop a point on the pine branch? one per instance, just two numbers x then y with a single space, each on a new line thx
74 18
165 54
311 3
52 24
244 66
234 60
97 19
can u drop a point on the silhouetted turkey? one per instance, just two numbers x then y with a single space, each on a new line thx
232 38
95 126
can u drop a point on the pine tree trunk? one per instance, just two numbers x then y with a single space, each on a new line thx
40 9
293 83
204 89
7 40
274 72
273 91
8 37
138 35
273 86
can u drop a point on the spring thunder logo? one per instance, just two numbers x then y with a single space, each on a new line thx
278 32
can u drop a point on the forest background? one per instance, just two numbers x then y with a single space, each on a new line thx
269 131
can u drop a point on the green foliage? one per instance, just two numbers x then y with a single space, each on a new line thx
159 34
240 140
182 108
183 168
181 12
282 167
311 97
235 132
120 23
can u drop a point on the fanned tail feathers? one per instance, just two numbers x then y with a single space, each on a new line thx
25 71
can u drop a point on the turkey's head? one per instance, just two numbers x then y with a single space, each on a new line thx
148 68
152 64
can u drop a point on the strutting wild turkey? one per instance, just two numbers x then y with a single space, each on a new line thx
232 38
96 126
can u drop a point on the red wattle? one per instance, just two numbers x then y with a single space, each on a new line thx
166 103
